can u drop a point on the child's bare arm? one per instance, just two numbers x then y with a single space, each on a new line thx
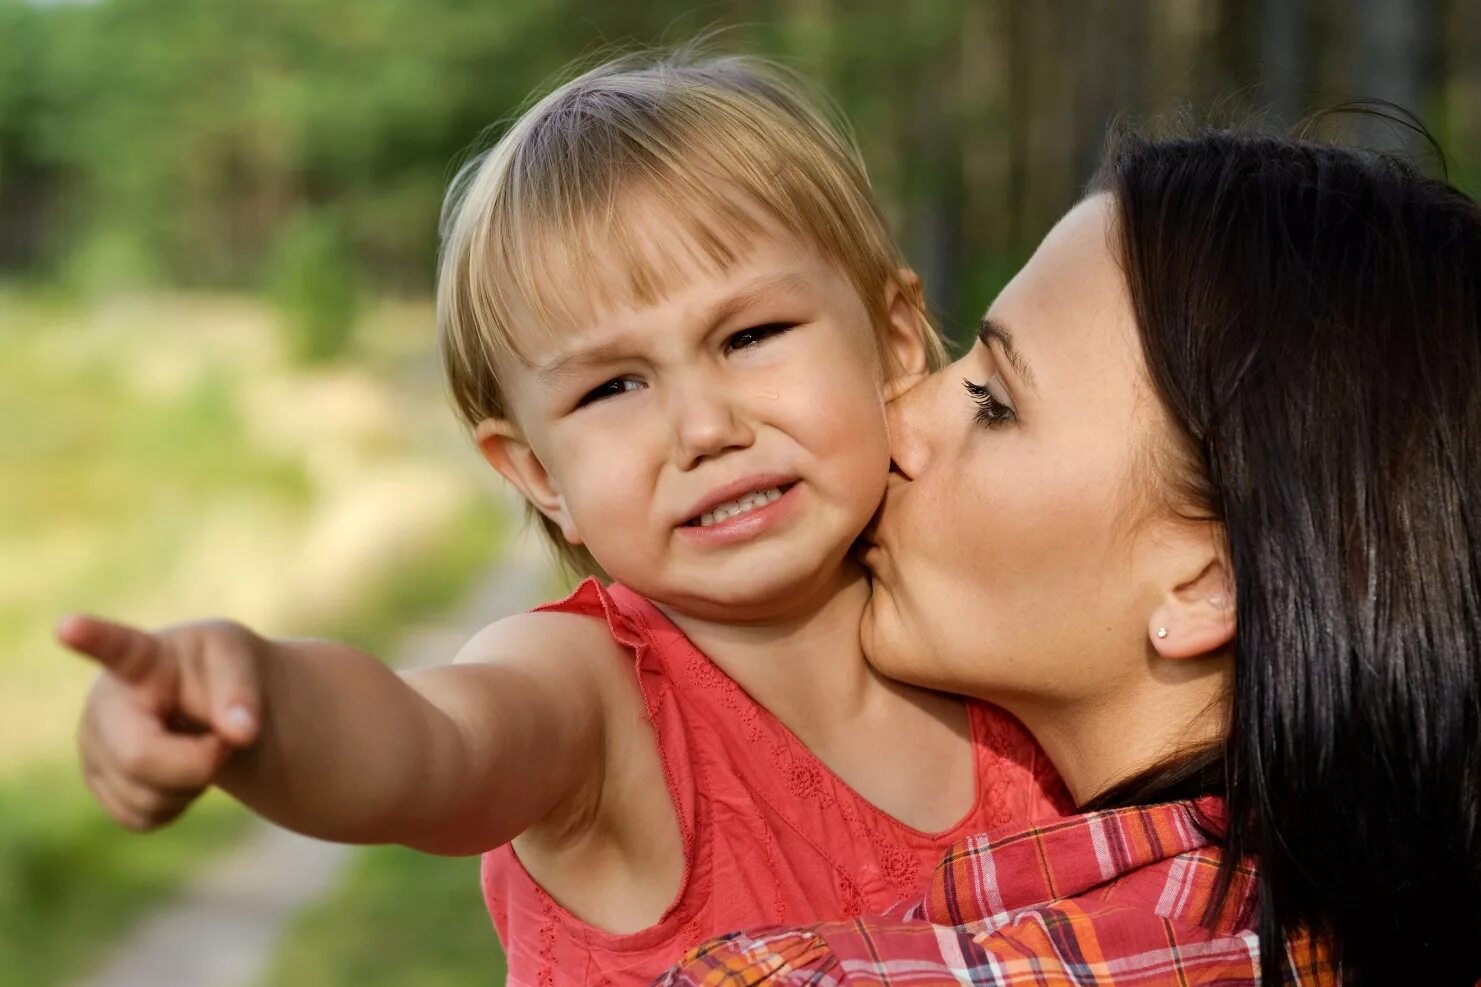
324 739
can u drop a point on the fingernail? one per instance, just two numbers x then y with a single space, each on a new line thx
240 719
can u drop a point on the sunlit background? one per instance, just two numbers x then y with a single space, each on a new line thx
218 391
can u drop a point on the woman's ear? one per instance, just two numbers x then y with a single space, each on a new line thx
906 329
509 454
1195 617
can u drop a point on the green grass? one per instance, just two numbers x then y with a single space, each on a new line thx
400 919
164 460
71 881
424 586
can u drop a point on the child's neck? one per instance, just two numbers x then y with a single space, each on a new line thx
806 650
807 667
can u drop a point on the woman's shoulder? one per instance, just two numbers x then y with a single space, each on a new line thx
1076 941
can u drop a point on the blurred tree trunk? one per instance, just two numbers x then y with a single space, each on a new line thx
28 209
934 140
1459 76
1230 50
1016 68
1094 86
1285 59
985 152
1395 61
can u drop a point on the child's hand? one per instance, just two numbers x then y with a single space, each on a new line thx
167 712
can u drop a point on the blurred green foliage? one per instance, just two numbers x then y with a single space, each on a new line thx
400 919
312 278
184 141
70 879
184 466
301 148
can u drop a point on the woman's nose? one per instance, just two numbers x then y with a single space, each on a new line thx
909 416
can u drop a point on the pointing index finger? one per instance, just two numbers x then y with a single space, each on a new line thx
127 652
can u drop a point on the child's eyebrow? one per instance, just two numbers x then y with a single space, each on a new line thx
727 308
752 292
577 360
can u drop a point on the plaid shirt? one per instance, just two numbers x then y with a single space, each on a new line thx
1108 898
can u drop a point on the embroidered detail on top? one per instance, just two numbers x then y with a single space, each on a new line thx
546 974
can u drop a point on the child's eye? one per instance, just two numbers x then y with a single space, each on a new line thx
992 410
747 338
612 388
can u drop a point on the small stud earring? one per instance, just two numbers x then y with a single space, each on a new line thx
1161 632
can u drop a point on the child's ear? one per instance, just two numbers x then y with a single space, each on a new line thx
906 330
509 454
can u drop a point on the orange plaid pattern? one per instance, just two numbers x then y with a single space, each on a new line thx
1113 898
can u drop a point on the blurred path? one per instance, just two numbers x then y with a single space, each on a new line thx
223 928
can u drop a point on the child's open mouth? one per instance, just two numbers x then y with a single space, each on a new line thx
743 504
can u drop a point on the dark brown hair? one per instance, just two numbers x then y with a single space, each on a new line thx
1310 317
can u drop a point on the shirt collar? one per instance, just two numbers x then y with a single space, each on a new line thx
984 879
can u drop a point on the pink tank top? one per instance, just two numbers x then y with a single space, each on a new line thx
770 834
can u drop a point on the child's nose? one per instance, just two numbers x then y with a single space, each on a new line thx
707 424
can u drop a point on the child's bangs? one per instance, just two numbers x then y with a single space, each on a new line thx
593 246
634 255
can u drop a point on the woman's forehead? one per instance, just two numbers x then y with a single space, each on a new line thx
1071 296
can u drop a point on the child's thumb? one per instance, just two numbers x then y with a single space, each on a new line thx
233 685
236 722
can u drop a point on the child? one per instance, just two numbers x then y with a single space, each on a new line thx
672 315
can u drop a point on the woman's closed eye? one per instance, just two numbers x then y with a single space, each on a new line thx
991 399
756 335
610 389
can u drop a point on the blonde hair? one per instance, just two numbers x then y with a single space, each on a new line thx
725 146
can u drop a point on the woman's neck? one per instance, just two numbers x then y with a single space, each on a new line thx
1098 742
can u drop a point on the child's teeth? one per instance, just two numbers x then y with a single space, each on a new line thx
740 505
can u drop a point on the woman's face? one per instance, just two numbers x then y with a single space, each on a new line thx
1017 553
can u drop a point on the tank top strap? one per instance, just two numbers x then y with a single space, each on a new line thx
724 720
626 615
592 599
1016 781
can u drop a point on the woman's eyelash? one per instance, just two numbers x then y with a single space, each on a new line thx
754 335
990 411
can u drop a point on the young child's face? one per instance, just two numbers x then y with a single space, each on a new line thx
719 450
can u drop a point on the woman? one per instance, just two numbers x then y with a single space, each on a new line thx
1201 509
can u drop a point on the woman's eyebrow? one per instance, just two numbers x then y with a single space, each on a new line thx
989 332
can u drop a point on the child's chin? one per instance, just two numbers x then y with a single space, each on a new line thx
753 592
